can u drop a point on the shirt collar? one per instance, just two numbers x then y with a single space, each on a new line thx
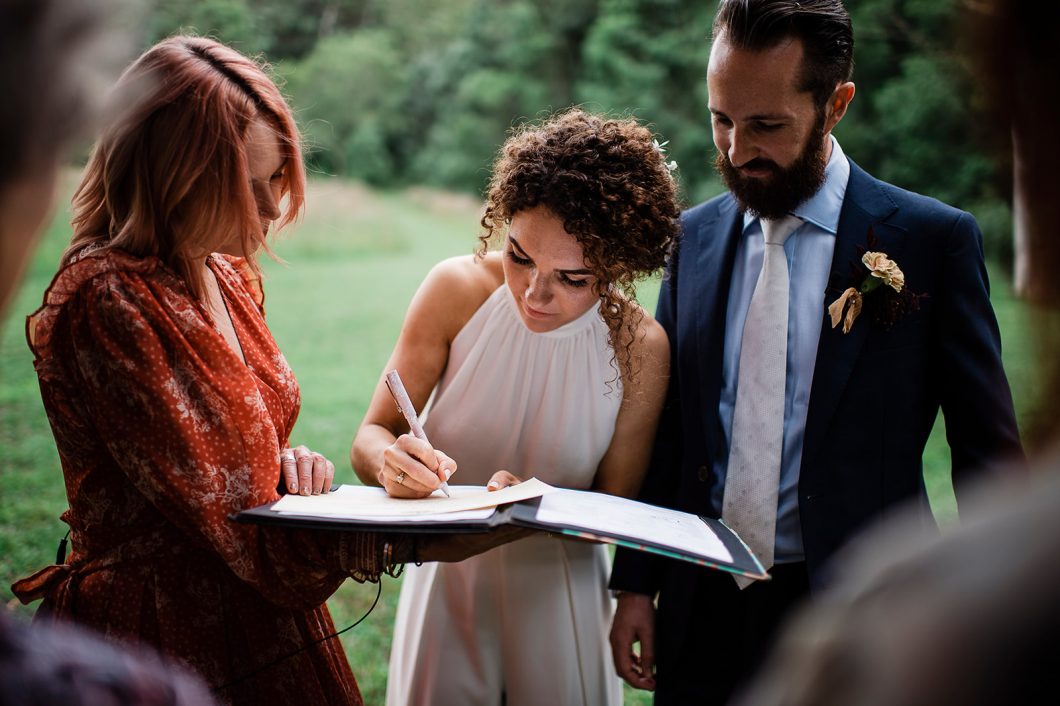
822 209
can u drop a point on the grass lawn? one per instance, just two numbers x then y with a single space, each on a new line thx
335 309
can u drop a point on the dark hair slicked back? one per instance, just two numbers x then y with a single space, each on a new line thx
823 26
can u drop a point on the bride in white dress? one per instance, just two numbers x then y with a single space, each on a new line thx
532 361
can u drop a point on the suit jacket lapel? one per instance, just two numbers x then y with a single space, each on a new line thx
865 206
717 236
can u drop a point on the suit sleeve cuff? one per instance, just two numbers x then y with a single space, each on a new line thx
636 572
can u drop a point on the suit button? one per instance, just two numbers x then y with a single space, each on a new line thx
703 474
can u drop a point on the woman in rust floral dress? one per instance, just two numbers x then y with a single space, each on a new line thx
170 403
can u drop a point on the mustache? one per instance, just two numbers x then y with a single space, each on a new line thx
758 164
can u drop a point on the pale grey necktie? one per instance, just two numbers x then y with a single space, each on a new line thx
753 477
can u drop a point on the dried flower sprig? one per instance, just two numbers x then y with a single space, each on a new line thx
895 300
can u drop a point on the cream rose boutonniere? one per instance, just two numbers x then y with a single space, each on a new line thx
894 300
884 270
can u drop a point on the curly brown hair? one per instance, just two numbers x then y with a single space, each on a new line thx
608 181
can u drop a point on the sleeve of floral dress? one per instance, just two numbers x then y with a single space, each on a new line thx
184 420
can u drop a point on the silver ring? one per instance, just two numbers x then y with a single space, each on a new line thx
287 455
400 478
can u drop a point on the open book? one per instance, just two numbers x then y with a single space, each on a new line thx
578 513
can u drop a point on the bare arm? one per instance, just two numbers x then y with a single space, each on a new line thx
383 449
625 463
621 472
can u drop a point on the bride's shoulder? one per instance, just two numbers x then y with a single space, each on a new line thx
466 278
455 288
651 336
651 345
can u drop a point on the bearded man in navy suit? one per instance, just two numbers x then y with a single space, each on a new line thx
861 393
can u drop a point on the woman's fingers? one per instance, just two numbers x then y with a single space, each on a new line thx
397 486
501 479
412 468
329 480
401 484
320 473
304 459
306 472
289 468
446 466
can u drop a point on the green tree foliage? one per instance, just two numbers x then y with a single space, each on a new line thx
281 29
347 94
402 91
649 58
231 21
486 88
913 121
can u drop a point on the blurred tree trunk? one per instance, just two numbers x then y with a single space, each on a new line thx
1021 260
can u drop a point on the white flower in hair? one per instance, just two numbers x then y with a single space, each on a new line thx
671 166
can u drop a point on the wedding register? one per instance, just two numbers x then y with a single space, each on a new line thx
533 504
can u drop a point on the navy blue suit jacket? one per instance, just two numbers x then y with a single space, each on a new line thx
876 392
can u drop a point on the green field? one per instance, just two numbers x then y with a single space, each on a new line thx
335 309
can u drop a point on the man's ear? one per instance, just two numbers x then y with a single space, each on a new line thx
838 104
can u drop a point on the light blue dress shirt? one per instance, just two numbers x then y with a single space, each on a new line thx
809 252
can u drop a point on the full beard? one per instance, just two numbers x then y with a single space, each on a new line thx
775 196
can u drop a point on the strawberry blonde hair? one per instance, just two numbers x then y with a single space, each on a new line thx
169 175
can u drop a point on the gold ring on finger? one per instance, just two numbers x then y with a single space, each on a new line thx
400 478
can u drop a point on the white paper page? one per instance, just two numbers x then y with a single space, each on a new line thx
598 513
481 514
359 502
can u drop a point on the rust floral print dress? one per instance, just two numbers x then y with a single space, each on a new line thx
163 432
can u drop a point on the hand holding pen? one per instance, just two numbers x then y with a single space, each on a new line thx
411 466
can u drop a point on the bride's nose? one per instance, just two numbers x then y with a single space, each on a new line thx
537 290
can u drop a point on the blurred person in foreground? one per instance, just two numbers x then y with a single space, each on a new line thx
50 60
969 618
45 47
819 319
64 665
171 405
539 360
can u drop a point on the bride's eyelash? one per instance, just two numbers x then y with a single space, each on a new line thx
518 260
574 282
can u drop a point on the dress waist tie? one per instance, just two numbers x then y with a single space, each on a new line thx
58 583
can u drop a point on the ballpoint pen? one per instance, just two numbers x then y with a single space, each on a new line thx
404 404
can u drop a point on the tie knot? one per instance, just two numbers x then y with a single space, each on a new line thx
777 231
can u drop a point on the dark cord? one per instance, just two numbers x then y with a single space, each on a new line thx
273 663
60 553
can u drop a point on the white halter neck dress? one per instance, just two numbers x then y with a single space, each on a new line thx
529 619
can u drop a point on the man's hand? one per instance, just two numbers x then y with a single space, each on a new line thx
634 622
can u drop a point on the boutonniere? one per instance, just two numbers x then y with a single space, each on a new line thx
882 289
